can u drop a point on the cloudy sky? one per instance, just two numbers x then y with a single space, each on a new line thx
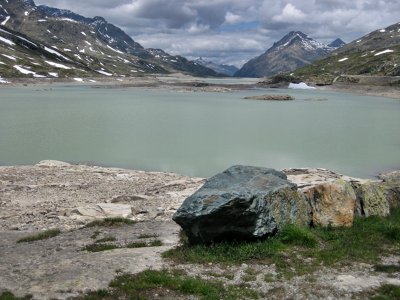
233 31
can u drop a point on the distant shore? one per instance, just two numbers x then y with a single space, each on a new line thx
186 83
366 90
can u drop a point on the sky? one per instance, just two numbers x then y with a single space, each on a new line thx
234 31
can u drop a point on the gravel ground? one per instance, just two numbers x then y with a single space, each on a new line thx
59 195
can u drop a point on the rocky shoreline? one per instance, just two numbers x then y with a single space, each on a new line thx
59 195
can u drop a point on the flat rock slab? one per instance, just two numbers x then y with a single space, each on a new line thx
55 194
242 203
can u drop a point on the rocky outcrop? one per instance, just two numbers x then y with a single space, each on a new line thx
241 203
332 198
248 202
335 199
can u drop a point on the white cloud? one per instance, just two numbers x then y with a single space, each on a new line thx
233 31
290 14
231 18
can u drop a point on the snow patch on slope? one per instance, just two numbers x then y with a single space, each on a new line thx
7 41
5 21
383 52
60 66
56 53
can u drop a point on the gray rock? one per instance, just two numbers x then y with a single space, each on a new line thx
372 199
242 203
391 183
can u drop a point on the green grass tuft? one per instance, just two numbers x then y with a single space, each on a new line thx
40 236
137 245
387 292
297 236
110 222
155 243
147 236
10 296
387 268
100 247
106 239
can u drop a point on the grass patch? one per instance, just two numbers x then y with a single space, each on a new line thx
297 236
40 236
147 236
106 239
387 268
137 245
387 292
145 284
153 243
110 222
297 251
100 247
10 296
269 278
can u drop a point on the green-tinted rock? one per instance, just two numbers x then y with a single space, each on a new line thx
391 183
372 200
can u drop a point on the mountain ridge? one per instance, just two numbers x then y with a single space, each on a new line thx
376 53
90 44
294 50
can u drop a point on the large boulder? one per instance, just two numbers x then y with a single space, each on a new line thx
372 199
242 203
331 195
391 184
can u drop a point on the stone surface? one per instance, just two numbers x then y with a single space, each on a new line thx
331 195
57 268
391 182
241 203
60 195
332 203
372 200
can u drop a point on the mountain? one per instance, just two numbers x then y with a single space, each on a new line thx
113 35
377 53
66 44
227 70
294 50
337 43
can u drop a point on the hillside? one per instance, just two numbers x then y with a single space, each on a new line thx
377 53
37 41
294 50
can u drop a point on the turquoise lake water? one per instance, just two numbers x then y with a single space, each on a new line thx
199 134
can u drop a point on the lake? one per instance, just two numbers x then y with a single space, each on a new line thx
199 134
